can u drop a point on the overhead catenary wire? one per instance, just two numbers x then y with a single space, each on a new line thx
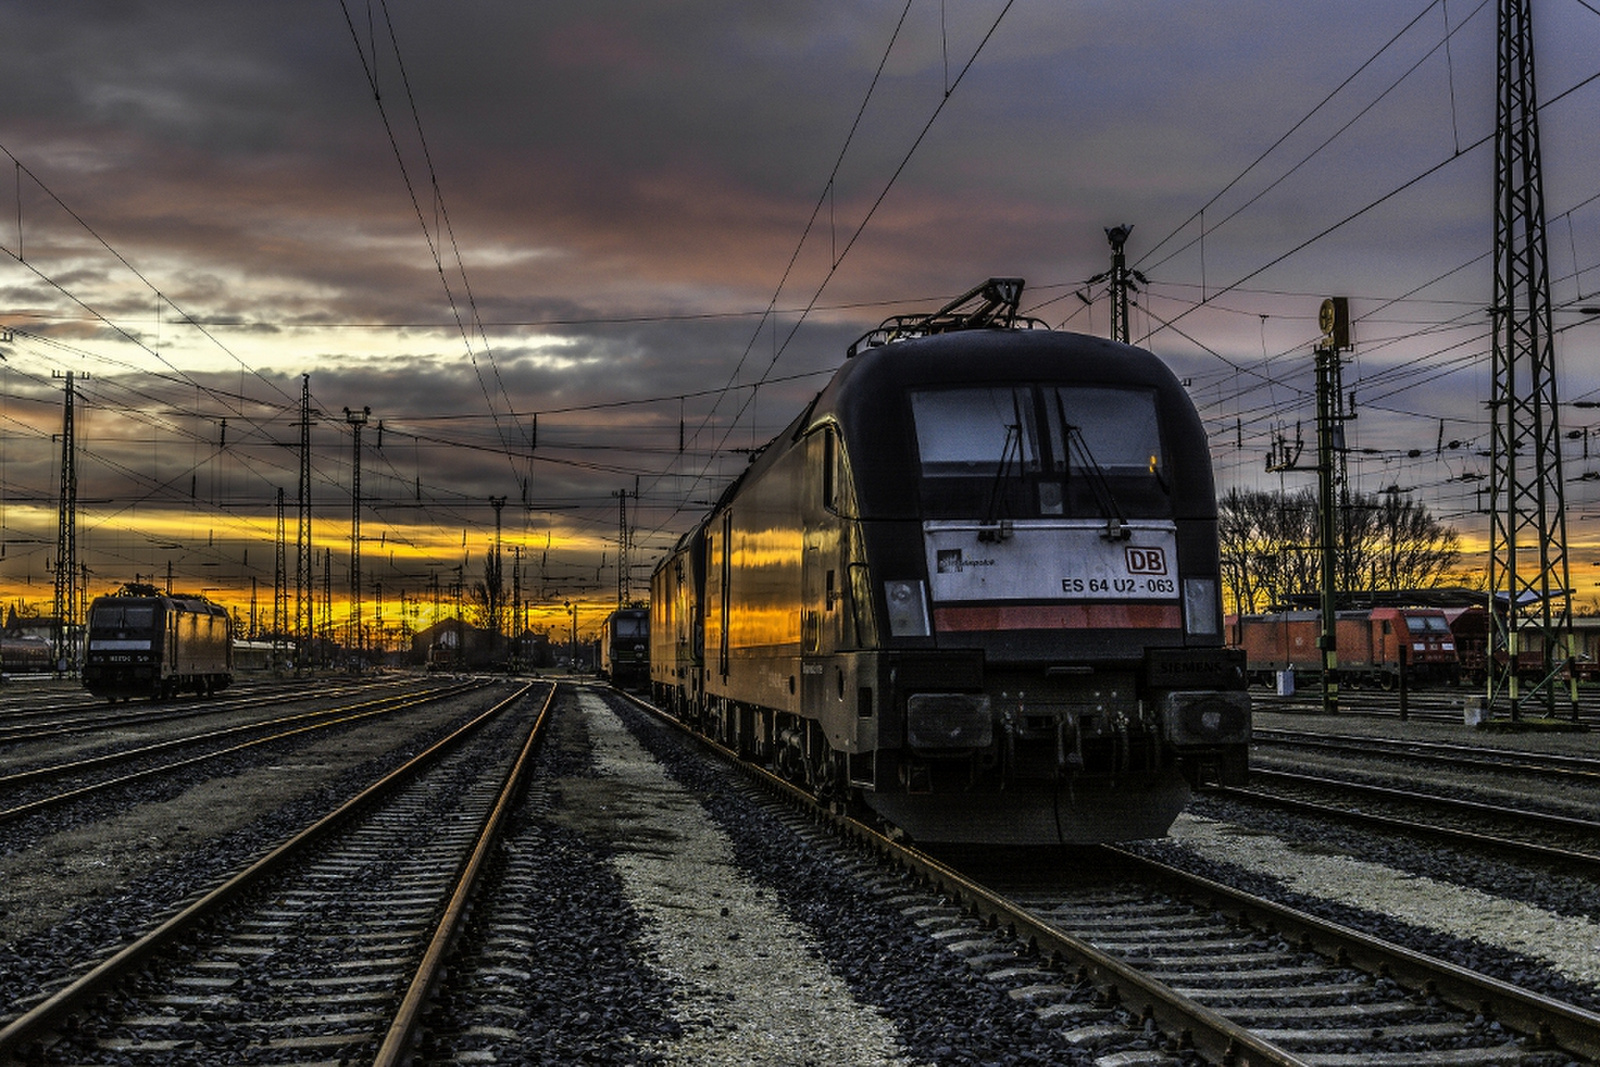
855 235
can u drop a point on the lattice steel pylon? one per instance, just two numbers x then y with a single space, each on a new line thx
305 595
357 419
1530 599
66 575
280 588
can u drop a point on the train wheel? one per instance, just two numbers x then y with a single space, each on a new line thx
790 757
825 774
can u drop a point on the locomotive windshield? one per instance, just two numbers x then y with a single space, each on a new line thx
122 617
631 626
1038 451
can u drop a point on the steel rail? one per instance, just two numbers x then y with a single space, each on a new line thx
21 728
1475 757
389 706
56 770
1569 859
400 1038
1566 823
103 975
1548 1020
1429 706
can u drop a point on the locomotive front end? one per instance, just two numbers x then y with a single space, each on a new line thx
1065 572
123 654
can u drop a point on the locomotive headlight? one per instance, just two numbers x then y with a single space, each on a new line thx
908 608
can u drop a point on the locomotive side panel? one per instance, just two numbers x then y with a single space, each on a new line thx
672 665
753 590
1284 640
839 683
1360 645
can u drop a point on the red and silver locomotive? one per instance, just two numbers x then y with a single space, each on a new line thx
974 585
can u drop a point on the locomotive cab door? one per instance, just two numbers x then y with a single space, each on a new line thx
830 691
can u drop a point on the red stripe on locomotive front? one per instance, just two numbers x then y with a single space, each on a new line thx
1057 617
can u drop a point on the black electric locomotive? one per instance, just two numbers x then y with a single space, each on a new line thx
622 655
975 584
148 644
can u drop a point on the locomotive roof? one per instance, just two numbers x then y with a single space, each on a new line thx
192 602
997 355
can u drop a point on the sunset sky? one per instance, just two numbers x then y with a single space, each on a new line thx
634 224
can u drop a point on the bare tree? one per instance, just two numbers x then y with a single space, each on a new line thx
1270 549
1403 546
487 598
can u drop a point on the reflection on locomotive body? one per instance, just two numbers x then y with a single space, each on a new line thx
974 585
623 655
157 646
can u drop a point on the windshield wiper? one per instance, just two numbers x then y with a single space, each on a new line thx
993 527
1116 523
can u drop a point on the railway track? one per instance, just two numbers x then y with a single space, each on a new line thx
40 788
1310 991
324 949
20 726
1445 705
1218 972
1140 965
1581 770
1530 805
1522 833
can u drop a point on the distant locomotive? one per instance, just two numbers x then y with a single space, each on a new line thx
622 655
1370 644
157 646
975 584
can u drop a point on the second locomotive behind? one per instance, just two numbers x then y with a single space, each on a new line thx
622 650
975 584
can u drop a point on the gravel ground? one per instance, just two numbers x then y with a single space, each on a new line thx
653 916
709 931
941 1011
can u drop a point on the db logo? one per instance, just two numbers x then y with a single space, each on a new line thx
1146 560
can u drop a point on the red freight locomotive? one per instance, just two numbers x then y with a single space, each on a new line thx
1370 645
